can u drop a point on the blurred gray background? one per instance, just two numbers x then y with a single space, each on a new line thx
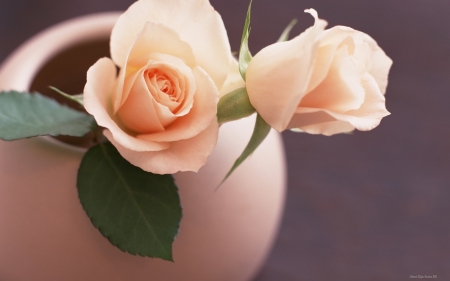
368 206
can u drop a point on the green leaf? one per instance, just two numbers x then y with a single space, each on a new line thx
76 98
139 212
233 106
260 132
25 115
244 53
285 35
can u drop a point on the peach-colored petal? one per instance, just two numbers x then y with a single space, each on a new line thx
377 62
337 35
329 128
173 69
200 117
331 83
234 79
101 78
316 121
365 118
322 63
362 56
146 110
369 115
153 38
139 112
380 64
183 155
158 38
309 116
195 21
277 77
341 90
330 40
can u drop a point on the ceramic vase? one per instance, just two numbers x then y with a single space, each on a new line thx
45 234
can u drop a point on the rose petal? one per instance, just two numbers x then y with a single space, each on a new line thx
145 111
337 34
330 40
154 38
328 128
139 112
369 115
175 70
101 78
378 63
324 58
277 77
341 89
234 79
195 21
314 121
365 118
183 155
381 64
201 115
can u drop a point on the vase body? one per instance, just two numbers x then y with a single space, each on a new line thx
225 234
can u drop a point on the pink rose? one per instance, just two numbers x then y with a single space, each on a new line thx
160 111
320 82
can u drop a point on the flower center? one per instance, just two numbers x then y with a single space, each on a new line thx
163 84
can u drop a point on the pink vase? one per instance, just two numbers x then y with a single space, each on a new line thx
45 234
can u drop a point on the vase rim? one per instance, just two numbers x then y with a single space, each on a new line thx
20 68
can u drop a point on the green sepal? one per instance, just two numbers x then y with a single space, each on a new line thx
244 53
260 132
139 212
26 115
233 106
285 35
76 98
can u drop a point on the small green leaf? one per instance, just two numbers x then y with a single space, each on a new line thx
139 212
285 35
244 53
260 132
76 98
25 115
233 106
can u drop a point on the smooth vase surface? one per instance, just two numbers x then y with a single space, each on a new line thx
45 234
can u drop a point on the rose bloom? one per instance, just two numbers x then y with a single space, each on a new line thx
175 62
320 82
